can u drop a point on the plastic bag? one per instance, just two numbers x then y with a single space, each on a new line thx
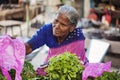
12 56
95 69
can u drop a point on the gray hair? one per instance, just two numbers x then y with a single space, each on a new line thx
70 12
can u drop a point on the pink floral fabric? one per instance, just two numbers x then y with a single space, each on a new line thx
12 55
76 47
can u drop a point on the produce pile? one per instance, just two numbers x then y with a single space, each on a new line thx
62 67
28 73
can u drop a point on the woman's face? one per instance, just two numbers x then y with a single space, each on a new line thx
62 26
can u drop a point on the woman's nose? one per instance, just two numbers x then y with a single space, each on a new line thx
57 25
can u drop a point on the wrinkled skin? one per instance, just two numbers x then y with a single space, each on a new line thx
62 27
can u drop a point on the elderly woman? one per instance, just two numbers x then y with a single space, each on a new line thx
61 35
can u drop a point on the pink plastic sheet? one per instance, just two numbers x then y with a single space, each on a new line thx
95 69
12 55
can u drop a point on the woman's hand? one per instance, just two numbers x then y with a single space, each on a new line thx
28 48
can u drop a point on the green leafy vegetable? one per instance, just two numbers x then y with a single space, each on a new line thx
64 67
109 76
28 73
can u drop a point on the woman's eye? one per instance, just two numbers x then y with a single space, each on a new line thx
56 20
63 24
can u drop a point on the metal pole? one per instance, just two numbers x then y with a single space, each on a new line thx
82 1
27 17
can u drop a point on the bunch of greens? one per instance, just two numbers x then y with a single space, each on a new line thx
28 73
109 76
64 67
67 67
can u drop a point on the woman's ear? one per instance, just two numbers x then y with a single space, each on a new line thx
72 28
